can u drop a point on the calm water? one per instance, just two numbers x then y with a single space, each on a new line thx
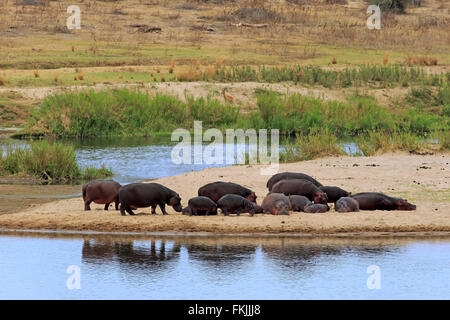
200 267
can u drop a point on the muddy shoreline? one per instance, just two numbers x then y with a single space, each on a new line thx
398 174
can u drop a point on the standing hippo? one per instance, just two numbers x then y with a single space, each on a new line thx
233 203
142 195
298 203
334 193
346 204
203 204
101 192
276 204
290 175
300 187
218 189
316 208
380 201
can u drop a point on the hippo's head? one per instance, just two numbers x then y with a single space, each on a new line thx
405 205
280 207
320 197
258 209
251 197
175 202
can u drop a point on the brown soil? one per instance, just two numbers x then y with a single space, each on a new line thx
423 180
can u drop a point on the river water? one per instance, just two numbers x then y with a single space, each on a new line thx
212 267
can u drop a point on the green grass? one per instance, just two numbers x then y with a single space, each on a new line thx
374 76
50 162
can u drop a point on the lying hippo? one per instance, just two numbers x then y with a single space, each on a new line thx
380 201
300 187
346 204
290 175
316 208
298 203
142 195
276 204
217 190
233 203
334 193
101 192
202 205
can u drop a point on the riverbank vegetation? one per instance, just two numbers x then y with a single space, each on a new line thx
46 162
317 124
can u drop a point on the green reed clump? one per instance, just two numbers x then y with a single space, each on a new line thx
319 143
376 141
52 162
123 112
375 75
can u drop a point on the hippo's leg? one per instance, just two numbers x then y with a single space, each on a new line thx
154 209
117 205
107 206
162 205
86 205
128 209
122 210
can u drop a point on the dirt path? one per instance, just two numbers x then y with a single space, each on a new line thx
423 180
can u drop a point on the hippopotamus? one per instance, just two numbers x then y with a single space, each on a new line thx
276 204
316 208
300 187
101 192
234 203
346 204
334 193
142 195
203 204
218 189
298 203
290 175
380 201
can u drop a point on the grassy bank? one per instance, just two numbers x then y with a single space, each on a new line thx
318 124
49 162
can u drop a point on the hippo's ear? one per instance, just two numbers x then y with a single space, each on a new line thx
349 193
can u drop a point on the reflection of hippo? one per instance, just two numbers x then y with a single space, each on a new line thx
233 203
276 203
298 203
316 208
380 201
101 192
334 193
290 175
142 195
218 189
346 204
302 188
203 204
131 255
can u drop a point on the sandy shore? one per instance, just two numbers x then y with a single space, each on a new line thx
422 179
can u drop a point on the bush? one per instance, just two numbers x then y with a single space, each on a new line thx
52 162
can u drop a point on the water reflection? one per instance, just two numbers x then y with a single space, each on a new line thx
220 267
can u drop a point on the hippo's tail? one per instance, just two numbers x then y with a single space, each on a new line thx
83 191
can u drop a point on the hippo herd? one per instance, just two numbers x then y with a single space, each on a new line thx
288 191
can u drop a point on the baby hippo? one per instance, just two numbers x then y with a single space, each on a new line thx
298 203
346 204
334 193
316 208
202 204
276 204
101 192
233 203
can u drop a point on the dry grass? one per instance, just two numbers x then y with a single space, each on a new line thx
421 61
